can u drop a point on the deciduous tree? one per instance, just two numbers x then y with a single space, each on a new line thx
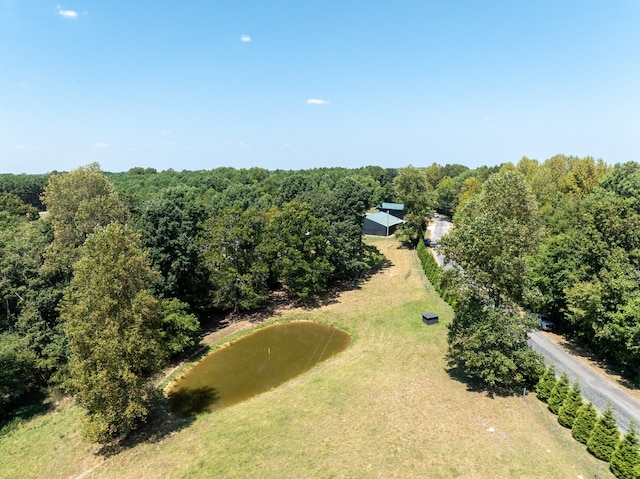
497 229
237 267
114 330
490 345
298 251
414 191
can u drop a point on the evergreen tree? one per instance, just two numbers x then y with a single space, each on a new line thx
559 393
114 330
584 422
570 405
605 436
546 383
625 460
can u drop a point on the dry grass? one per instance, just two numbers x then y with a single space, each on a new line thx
386 407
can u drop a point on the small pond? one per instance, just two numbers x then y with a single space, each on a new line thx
254 364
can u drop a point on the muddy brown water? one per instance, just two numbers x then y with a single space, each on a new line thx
254 364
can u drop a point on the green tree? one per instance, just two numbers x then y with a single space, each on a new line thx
447 193
169 234
605 436
237 268
80 201
496 231
180 328
114 330
490 345
13 205
413 190
546 383
559 393
569 409
18 372
77 203
470 187
584 422
625 460
31 298
295 244
348 202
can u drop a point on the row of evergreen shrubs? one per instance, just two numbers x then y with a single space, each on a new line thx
430 266
599 433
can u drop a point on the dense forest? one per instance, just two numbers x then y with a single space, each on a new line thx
132 264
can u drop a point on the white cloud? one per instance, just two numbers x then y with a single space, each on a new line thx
166 132
27 148
241 144
101 145
245 38
67 13
316 101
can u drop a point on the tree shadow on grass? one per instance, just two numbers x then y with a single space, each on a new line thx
456 372
279 300
167 416
30 406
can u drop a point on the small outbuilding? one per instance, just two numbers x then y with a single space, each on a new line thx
394 209
380 224
429 318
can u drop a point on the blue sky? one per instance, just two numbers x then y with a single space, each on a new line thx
303 84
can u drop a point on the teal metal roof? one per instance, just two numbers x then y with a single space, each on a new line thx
384 219
391 206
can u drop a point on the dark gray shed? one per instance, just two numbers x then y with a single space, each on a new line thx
429 318
380 224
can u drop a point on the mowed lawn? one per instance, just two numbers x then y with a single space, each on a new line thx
386 407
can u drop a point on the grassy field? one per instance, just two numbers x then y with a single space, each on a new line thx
386 407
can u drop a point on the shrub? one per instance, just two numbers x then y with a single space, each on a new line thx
605 436
584 422
570 405
546 383
625 460
558 393
430 266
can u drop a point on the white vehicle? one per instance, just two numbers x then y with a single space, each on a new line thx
545 323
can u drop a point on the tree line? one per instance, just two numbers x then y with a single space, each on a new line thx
557 237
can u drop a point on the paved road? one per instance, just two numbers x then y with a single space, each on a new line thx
437 230
594 386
